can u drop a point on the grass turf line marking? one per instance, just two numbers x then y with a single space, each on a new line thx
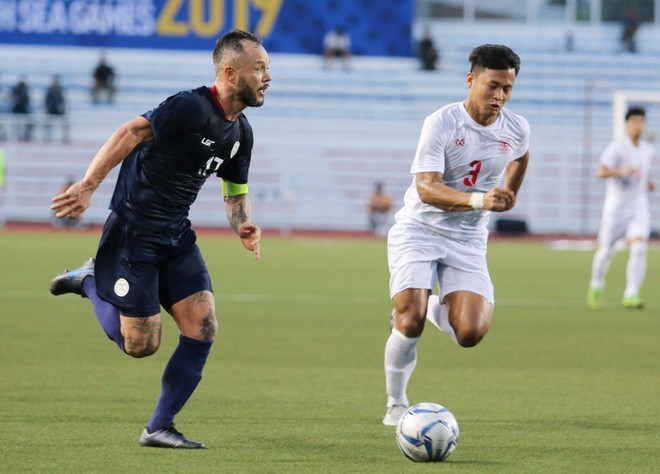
361 300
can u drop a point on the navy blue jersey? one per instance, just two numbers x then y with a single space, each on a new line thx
159 180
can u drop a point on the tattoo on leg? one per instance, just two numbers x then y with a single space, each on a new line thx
209 324
143 336
199 297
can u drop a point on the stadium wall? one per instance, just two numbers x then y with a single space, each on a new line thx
325 136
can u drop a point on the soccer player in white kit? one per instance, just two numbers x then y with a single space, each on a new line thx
625 164
440 234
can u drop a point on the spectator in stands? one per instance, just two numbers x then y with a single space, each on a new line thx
20 105
337 45
379 210
55 106
4 107
629 31
625 164
570 41
104 82
427 52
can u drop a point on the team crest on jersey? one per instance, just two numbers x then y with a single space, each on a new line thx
504 146
234 149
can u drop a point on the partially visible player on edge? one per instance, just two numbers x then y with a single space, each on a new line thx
440 234
147 256
625 164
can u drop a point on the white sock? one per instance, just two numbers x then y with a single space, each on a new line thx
600 266
438 314
636 268
400 361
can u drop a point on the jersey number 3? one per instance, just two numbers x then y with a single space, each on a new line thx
474 172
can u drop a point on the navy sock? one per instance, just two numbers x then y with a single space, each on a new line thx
106 314
181 376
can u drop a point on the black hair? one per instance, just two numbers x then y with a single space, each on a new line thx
231 41
632 111
494 56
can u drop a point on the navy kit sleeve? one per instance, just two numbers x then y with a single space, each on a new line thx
237 168
175 116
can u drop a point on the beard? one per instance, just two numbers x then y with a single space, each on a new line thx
247 95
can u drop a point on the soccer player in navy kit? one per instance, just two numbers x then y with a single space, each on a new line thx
147 256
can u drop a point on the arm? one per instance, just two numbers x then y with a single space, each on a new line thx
239 212
432 191
605 172
76 198
514 176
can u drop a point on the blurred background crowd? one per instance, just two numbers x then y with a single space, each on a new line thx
352 83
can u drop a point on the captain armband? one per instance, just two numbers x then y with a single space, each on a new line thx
233 189
476 200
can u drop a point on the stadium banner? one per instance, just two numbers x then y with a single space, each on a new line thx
377 28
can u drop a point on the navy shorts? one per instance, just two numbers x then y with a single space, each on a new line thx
138 270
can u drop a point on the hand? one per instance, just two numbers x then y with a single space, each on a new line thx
499 199
250 235
72 202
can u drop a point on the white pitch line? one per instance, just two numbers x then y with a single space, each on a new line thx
324 299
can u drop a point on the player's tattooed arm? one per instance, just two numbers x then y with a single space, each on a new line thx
239 213
239 210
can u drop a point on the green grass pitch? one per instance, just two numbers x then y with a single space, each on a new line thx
295 380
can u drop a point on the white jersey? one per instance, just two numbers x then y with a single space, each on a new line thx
626 195
471 157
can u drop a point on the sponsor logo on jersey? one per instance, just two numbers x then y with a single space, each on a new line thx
207 141
459 142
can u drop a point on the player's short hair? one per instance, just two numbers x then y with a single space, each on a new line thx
494 56
632 111
231 42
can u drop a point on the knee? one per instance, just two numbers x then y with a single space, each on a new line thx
139 353
410 325
207 323
639 246
139 348
196 318
472 335
209 328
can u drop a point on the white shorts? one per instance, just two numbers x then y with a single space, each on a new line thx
614 227
419 258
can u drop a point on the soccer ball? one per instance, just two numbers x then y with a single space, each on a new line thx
427 432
